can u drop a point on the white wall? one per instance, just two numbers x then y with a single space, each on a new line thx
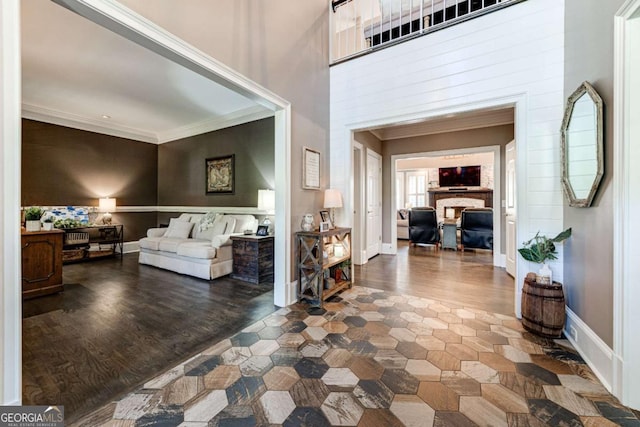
512 56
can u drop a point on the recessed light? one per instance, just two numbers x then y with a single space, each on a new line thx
104 116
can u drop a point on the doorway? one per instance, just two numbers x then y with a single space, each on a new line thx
120 20
374 203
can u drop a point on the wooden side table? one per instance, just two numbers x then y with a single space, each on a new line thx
41 263
450 234
253 258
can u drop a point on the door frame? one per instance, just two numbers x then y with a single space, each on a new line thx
498 260
366 199
506 206
358 202
123 21
10 182
626 230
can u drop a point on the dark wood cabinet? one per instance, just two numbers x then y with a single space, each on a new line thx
253 258
41 263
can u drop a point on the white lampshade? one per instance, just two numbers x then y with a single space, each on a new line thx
107 204
267 200
332 198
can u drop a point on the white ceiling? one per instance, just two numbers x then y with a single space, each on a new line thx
75 72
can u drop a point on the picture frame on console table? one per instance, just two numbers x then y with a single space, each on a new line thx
263 230
220 174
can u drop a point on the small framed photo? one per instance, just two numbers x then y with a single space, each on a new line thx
324 226
263 230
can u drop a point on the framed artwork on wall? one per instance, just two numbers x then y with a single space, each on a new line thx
220 174
310 169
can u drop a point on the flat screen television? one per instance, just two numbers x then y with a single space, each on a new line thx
461 176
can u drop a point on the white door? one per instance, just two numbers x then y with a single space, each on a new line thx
510 207
374 203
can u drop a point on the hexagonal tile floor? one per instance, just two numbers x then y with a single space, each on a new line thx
373 358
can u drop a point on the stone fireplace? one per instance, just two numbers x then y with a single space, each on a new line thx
459 199
458 204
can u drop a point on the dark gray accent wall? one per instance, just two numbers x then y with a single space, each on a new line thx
181 165
482 137
63 166
588 254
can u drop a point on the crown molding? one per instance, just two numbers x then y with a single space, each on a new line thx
75 121
232 119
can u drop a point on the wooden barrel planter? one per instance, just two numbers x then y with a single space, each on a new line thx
543 308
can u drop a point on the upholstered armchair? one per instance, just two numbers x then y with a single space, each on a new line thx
423 226
476 228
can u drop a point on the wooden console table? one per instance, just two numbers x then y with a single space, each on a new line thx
41 263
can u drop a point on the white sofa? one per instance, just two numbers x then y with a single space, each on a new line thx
195 244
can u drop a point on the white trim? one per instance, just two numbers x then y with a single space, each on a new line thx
130 247
503 260
10 152
369 152
359 234
626 377
388 249
62 118
593 350
232 119
195 209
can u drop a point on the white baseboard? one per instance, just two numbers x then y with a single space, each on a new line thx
593 350
12 403
503 261
387 249
130 247
292 292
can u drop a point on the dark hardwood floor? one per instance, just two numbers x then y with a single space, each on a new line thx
119 323
467 278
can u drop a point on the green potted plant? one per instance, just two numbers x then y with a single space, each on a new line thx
47 223
541 249
32 217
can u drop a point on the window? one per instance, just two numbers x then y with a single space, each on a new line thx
416 189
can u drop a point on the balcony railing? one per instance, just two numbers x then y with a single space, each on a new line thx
361 26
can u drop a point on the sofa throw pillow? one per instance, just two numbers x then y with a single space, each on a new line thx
178 229
207 221
403 213
224 225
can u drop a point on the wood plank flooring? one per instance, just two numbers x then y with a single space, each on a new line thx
467 278
119 323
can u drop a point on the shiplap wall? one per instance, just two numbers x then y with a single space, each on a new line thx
515 55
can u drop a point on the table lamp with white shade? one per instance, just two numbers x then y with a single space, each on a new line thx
106 205
332 200
267 202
